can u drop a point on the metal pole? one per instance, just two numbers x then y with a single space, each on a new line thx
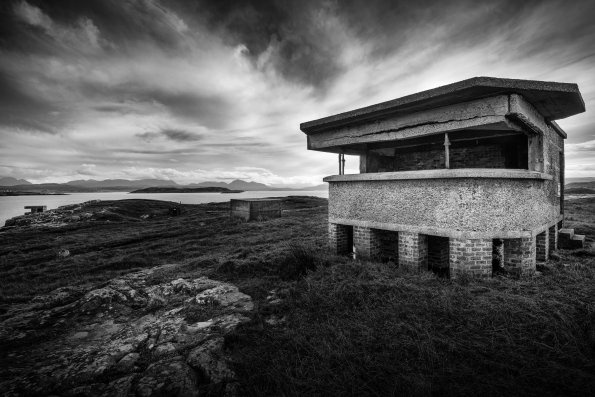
343 165
340 164
446 150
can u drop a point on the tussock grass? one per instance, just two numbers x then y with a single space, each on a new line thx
367 329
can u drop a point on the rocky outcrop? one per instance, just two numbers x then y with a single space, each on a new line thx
58 217
133 336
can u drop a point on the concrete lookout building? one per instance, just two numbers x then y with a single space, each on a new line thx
450 175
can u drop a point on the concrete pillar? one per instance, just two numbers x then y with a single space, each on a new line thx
413 251
519 255
553 238
472 257
339 238
542 248
366 242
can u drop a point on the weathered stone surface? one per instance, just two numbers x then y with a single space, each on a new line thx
168 378
208 358
116 341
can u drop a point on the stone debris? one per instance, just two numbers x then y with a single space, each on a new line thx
130 336
63 253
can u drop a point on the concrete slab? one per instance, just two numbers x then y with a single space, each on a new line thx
552 100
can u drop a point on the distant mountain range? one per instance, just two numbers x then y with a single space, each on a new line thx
10 181
587 187
125 185
579 180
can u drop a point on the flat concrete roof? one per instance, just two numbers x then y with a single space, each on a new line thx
553 100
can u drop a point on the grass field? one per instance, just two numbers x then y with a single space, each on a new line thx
345 327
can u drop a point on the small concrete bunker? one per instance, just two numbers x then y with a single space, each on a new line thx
255 209
451 175
33 209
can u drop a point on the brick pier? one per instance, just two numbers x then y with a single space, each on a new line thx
472 257
519 255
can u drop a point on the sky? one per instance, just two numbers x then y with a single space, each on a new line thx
198 90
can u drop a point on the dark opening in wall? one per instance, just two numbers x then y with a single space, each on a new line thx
467 149
388 245
438 255
349 249
499 152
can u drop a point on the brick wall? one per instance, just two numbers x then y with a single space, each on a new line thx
420 160
480 156
553 237
340 238
462 155
413 251
519 255
366 242
471 257
542 246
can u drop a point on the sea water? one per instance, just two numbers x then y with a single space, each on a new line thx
11 206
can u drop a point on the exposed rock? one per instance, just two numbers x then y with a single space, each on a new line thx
208 358
168 378
125 337
126 363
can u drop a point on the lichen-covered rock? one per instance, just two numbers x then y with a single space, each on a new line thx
126 337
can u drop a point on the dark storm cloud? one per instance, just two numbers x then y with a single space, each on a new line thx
20 110
171 134
208 110
288 35
123 23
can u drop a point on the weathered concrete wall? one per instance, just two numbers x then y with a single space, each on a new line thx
476 113
553 146
460 207
255 209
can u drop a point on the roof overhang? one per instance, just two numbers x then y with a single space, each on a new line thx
551 100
